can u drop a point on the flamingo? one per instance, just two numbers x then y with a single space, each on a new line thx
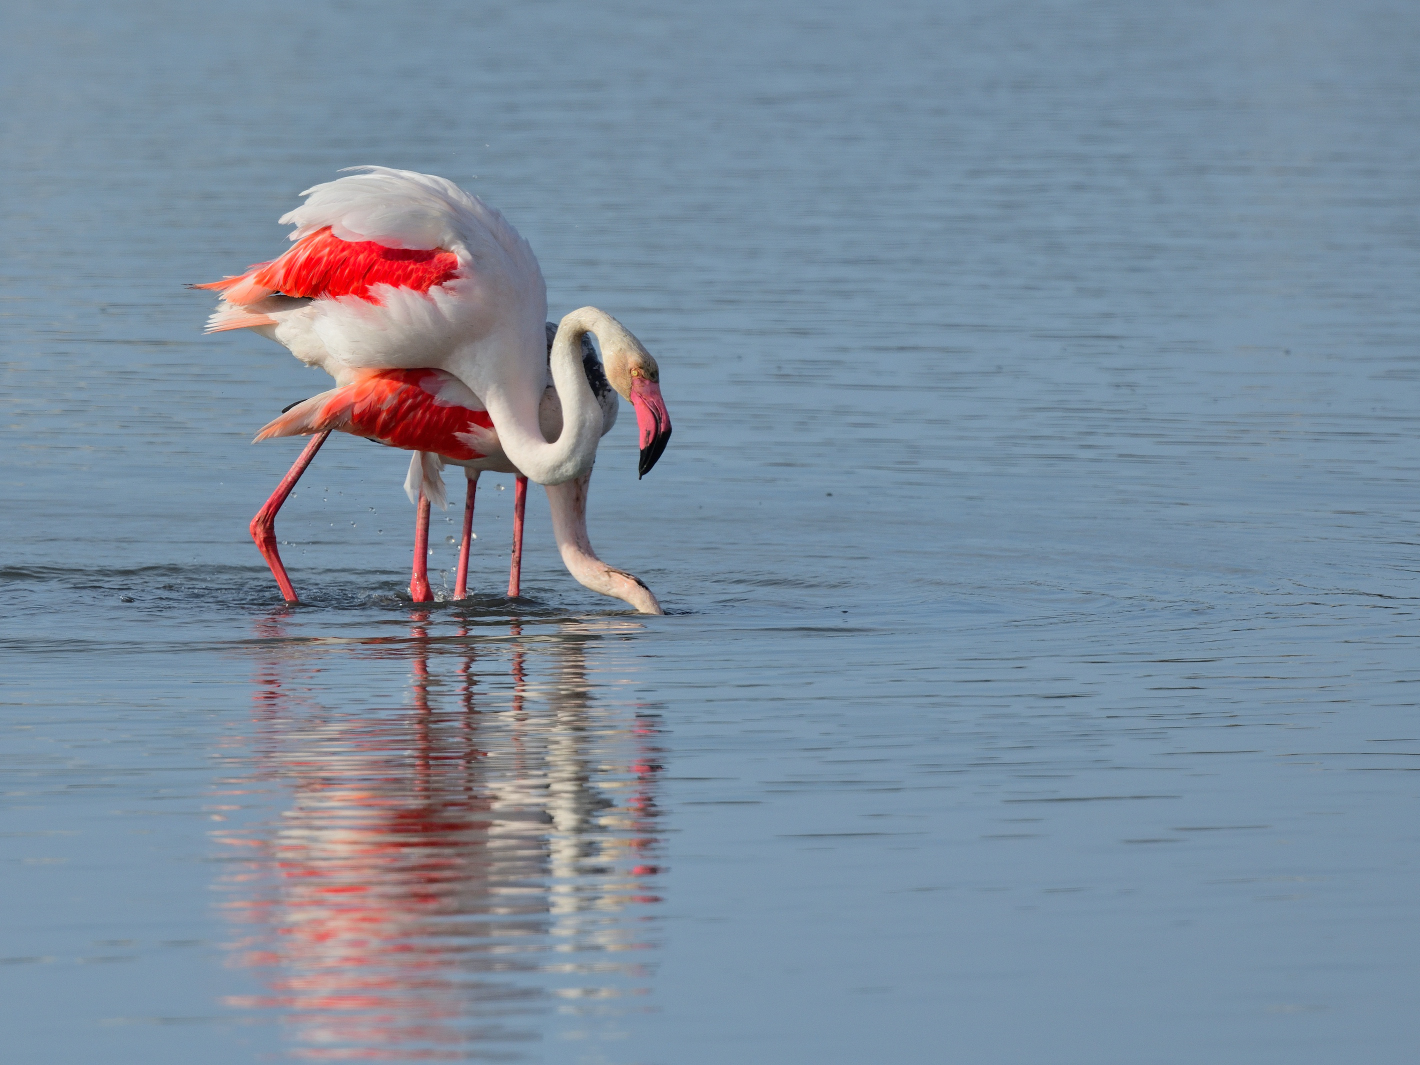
435 415
396 270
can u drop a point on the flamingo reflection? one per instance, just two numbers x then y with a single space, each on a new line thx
449 879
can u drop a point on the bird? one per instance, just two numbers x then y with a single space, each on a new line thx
397 270
393 269
437 417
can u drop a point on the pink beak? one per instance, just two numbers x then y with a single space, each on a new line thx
652 419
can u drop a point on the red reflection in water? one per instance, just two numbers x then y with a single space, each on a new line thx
444 873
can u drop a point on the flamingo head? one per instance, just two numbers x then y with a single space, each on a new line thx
634 374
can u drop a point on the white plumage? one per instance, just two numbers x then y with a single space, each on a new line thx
484 325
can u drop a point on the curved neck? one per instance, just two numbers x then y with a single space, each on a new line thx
514 411
568 503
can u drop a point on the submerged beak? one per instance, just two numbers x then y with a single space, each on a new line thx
653 421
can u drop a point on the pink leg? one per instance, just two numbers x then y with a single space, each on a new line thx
461 580
263 526
520 504
419 582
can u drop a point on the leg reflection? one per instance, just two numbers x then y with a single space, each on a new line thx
453 875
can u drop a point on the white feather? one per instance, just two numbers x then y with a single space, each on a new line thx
399 209
405 329
425 476
499 293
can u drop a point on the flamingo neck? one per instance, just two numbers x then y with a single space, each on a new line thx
568 503
513 407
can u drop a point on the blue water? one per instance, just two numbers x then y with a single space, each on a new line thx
1039 535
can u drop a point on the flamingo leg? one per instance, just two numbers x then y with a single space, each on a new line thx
263 525
461 580
419 582
520 505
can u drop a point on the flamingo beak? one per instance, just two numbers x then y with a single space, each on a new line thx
653 421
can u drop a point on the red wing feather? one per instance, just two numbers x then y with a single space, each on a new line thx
323 265
394 407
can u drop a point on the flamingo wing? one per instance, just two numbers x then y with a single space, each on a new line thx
416 410
390 269
382 227
323 266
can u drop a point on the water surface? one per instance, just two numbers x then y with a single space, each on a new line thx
1039 537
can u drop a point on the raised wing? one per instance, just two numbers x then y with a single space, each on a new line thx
417 410
323 266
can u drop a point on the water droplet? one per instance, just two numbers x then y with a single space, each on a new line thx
447 539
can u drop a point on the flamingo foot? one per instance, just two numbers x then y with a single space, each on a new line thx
419 581
263 525
520 505
461 580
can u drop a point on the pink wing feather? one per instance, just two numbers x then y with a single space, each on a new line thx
401 408
322 266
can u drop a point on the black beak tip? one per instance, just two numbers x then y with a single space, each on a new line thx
651 453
